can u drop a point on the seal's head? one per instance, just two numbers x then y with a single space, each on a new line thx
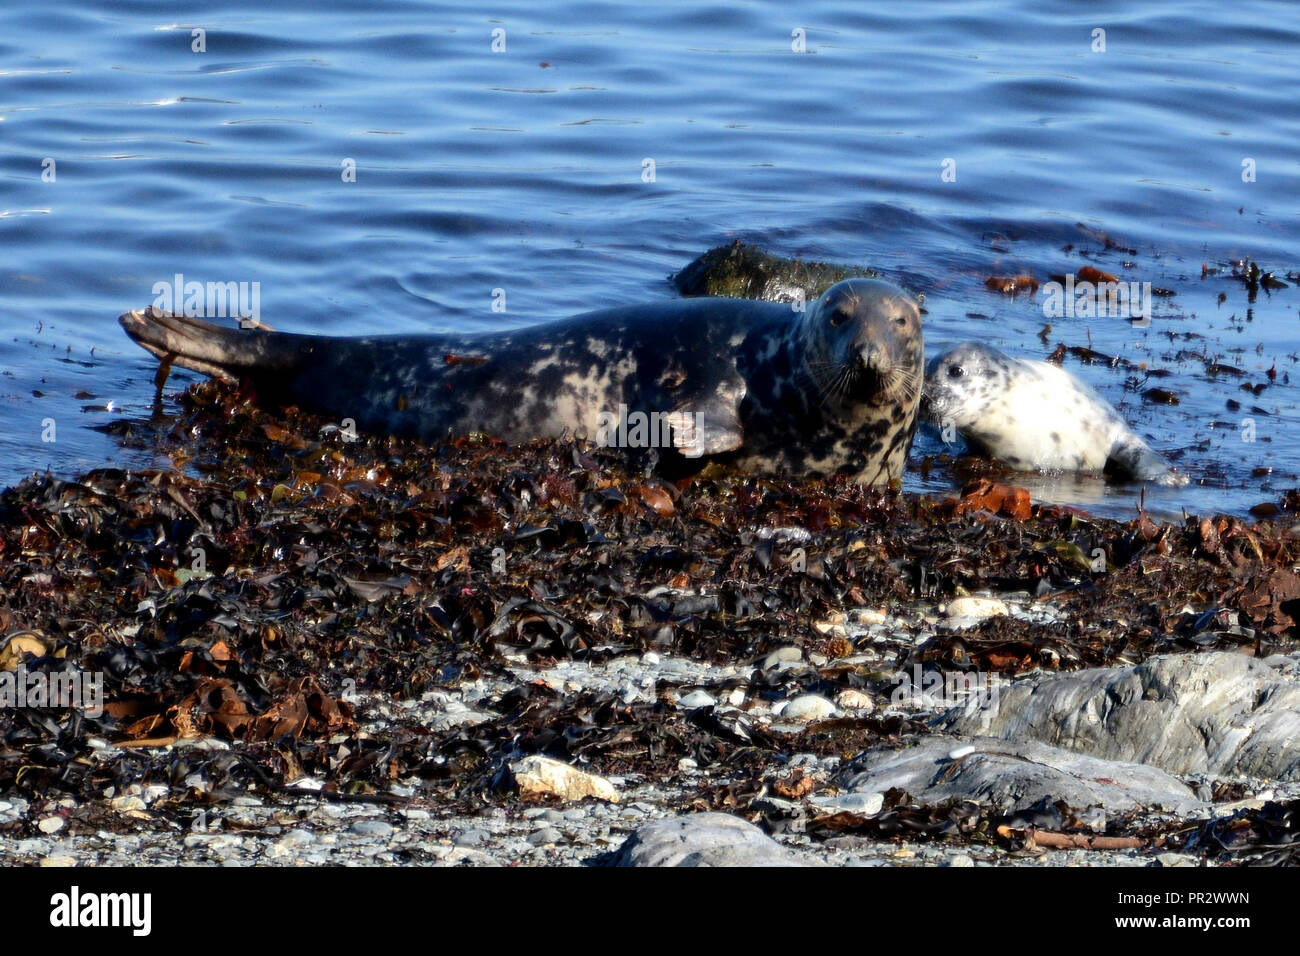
862 344
961 384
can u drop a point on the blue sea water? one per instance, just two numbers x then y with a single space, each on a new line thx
503 146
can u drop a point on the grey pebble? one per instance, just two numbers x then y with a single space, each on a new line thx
297 838
372 828
545 835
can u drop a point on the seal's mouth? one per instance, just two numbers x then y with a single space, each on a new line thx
895 383
858 382
865 377
931 410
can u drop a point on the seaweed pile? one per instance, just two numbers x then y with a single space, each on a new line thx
282 572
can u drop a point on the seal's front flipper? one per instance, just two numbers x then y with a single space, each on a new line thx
1133 459
711 425
696 434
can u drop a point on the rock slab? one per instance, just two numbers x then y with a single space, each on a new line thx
703 839
1013 775
1218 713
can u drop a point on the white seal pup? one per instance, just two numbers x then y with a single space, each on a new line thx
831 389
1035 416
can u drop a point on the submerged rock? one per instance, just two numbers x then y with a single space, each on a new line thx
747 272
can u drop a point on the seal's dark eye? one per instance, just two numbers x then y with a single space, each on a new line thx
900 320
956 371
838 318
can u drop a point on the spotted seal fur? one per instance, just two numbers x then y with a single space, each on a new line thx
1035 416
832 389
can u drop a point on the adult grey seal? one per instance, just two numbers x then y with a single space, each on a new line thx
1035 416
834 388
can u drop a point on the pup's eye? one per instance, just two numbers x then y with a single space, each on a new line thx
956 371
839 317
900 320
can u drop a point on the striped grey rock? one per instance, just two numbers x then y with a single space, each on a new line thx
1014 775
1218 713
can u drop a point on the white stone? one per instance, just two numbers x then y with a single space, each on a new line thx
782 655
50 825
851 699
831 628
864 804
865 616
696 698
807 707
976 607
537 776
